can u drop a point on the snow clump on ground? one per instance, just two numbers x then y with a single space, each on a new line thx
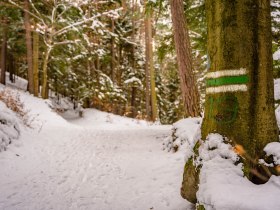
9 126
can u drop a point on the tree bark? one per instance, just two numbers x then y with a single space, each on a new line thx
239 84
28 47
4 52
113 53
184 58
45 93
151 100
36 63
10 67
147 73
133 88
239 38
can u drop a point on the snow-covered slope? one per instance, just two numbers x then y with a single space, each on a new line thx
9 127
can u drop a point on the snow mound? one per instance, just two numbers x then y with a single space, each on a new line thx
273 149
215 146
276 55
9 126
223 185
41 111
277 89
277 112
184 132
61 105
93 118
17 83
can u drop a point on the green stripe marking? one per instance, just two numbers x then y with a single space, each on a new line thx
229 80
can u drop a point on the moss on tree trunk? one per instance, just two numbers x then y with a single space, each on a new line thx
239 36
239 46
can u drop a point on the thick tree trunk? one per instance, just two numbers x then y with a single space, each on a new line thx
184 58
151 100
4 52
239 100
28 46
36 63
239 92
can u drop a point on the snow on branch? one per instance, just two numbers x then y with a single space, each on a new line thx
66 28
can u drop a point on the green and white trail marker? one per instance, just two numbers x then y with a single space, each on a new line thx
227 81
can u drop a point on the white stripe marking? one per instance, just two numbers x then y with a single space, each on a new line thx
222 73
226 88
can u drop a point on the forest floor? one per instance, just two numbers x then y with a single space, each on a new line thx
98 162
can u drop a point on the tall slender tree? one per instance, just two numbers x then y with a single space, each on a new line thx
4 50
184 58
151 100
28 39
36 62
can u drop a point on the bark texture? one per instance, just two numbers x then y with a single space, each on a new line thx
45 93
4 51
239 39
36 63
113 53
28 37
147 72
239 36
151 100
184 58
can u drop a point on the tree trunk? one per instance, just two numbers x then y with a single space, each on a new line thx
113 53
45 93
133 88
10 67
28 46
147 74
239 85
239 101
184 58
4 51
36 63
151 100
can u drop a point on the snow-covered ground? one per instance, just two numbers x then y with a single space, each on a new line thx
107 162
276 55
99 162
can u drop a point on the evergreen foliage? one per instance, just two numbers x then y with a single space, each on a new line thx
97 51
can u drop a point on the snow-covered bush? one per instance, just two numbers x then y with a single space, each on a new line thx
185 133
12 101
62 105
9 127
11 115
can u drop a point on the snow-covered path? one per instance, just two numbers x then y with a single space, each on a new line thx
75 167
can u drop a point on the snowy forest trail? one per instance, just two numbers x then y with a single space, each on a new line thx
77 167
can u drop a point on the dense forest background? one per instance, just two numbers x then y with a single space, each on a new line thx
95 52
